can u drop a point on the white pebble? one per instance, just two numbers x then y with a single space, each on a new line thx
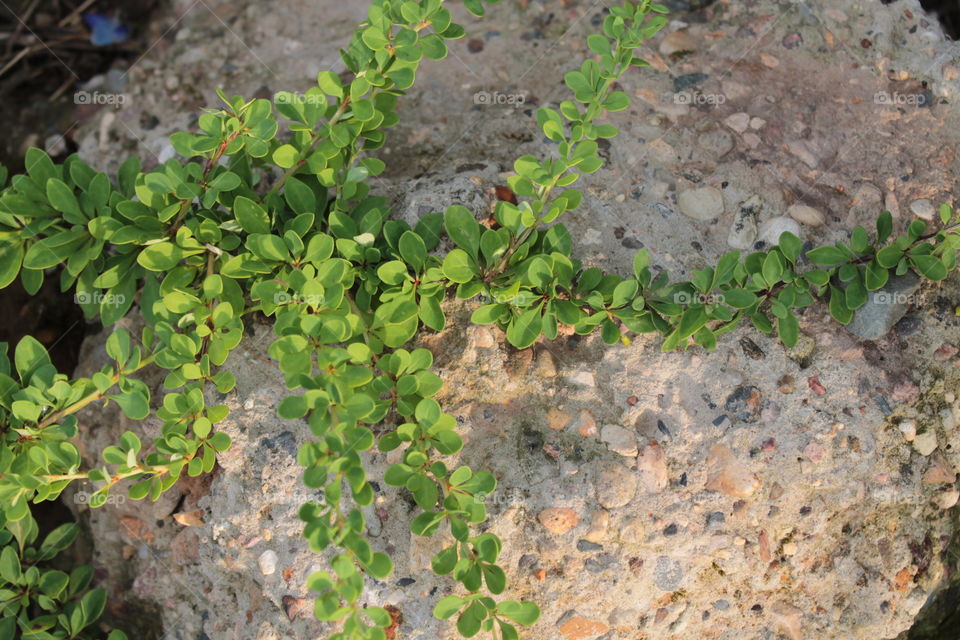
268 562
772 229
806 215
909 430
923 209
739 122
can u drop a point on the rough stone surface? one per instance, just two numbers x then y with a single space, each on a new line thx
856 523
743 231
884 307
728 475
558 520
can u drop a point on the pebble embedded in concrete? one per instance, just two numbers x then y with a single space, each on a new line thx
619 440
772 229
268 562
558 520
806 215
703 203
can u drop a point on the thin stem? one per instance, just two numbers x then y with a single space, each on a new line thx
91 397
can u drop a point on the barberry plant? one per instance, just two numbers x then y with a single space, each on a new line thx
285 225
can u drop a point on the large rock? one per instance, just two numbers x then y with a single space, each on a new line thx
852 544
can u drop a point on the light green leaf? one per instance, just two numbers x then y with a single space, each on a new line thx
252 217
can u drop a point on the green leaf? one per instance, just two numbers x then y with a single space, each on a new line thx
413 250
60 538
468 624
856 293
838 306
739 298
9 565
495 578
268 247
11 257
299 196
459 267
884 226
29 356
507 631
444 561
426 523
690 322
946 213
285 156
135 406
162 256
524 329
875 275
252 217
433 47
930 267
431 314
226 181
791 246
8 628
447 607
617 101
54 249
92 605
859 241
292 408
463 229
788 329
538 272
393 272
525 613
62 198
488 313
827 256
889 256
772 269
598 44
380 567
330 84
